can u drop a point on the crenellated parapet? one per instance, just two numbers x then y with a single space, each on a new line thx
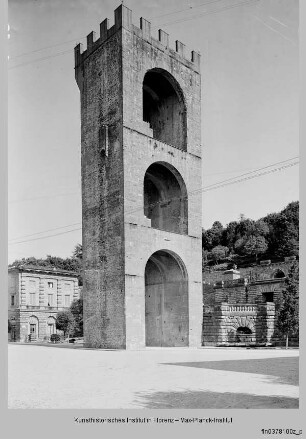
123 19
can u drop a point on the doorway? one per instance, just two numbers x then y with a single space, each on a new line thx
166 300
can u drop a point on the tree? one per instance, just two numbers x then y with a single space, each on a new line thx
216 233
261 228
204 258
287 320
206 240
239 246
230 235
78 252
76 309
283 236
245 228
64 322
255 245
219 252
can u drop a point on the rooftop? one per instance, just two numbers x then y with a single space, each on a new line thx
47 270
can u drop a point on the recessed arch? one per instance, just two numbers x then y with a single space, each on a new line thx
165 198
166 300
278 274
244 330
33 328
164 108
51 325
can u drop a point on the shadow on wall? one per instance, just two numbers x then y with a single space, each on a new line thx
213 400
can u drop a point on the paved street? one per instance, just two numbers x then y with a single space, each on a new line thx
66 377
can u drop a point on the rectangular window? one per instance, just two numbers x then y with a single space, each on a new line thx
50 299
33 299
50 284
67 300
13 300
32 285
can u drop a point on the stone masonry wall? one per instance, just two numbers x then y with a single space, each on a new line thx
117 148
239 303
140 54
100 81
257 271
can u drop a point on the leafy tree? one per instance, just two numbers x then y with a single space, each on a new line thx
239 246
230 235
219 252
216 233
78 252
291 212
213 236
204 258
280 231
261 228
206 240
255 245
76 309
245 228
64 322
288 243
287 320
283 237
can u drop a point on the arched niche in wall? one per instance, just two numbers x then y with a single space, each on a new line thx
165 198
164 108
166 300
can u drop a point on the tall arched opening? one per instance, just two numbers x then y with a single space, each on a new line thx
165 198
166 300
164 108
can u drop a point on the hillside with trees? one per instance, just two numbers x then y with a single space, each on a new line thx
246 241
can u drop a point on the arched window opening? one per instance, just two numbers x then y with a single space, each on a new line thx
279 274
165 198
166 300
51 323
164 108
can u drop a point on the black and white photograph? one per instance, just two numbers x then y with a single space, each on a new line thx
153 217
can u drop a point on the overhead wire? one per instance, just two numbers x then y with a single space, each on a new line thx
44 231
215 186
162 24
209 12
186 9
40 59
45 48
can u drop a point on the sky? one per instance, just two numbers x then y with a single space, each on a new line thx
249 69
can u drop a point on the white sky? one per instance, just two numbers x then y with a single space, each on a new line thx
249 69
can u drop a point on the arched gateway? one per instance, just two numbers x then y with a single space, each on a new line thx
166 300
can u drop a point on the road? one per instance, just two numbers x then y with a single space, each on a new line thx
53 377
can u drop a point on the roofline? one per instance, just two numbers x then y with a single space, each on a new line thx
22 268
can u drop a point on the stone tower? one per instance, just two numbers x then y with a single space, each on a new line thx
141 181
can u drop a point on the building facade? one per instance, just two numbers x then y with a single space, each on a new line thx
240 307
35 295
141 181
